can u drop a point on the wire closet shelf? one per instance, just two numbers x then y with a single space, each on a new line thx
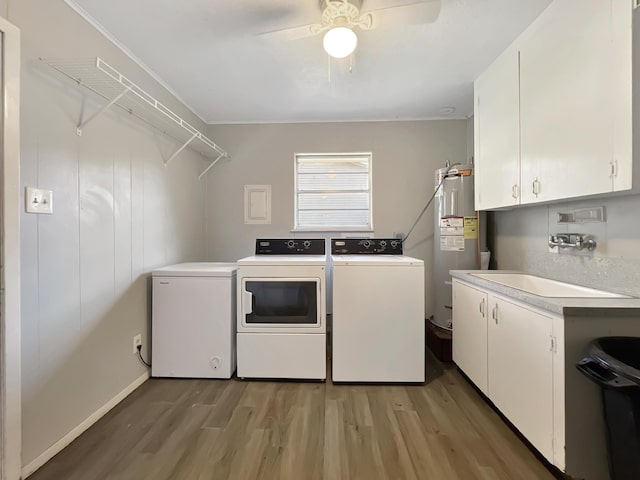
105 81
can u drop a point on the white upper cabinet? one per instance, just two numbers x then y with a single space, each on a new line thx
566 114
622 58
573 101
497 144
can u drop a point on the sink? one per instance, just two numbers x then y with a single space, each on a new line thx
545 287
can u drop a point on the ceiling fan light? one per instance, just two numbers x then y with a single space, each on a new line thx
340 42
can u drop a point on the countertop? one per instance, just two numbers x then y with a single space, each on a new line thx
557 305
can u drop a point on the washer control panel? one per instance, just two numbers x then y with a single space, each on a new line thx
366 246
290 246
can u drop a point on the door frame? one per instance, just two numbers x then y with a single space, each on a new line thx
10 371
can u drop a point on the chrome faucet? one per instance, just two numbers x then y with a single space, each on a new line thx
578 241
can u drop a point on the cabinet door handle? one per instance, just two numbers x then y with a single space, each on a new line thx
494 313
514 191
481 307
535 187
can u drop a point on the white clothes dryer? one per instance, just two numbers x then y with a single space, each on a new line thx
378 328
281 320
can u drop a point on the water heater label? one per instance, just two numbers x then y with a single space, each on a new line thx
470 228
452 230
452 244
452 226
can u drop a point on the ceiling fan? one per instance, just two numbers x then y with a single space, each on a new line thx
341 17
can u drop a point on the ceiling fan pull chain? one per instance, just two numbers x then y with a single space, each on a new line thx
351 63
329 67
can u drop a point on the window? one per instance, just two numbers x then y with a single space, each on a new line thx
333 191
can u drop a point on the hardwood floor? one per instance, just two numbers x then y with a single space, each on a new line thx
232 429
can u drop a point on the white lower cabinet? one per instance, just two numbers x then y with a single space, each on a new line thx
470 333
520 370
523 359
507 351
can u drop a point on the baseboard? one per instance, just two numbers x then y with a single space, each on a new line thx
57 447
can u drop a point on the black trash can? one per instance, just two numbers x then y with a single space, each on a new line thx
614 364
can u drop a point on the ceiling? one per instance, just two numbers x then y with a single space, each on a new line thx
209 53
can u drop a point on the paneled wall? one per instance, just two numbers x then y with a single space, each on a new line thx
118 213
405 157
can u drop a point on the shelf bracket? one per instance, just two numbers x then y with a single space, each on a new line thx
211 166
103 80
177 152
81 125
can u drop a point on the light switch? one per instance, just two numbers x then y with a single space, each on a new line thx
38 200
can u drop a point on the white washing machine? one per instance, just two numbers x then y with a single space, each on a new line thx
281 319
193 332
378 328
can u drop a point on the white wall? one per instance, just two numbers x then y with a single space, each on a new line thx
118 212
519 242
405 157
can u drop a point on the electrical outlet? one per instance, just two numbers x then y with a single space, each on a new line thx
137 340
38 200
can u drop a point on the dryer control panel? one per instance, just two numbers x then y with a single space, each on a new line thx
290 246
366 246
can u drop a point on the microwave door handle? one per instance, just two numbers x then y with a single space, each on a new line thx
247 302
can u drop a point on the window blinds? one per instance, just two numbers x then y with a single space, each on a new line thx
333 191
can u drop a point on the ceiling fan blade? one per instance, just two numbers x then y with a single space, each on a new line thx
293 33
409 14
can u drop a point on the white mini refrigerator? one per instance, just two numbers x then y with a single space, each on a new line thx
193 332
